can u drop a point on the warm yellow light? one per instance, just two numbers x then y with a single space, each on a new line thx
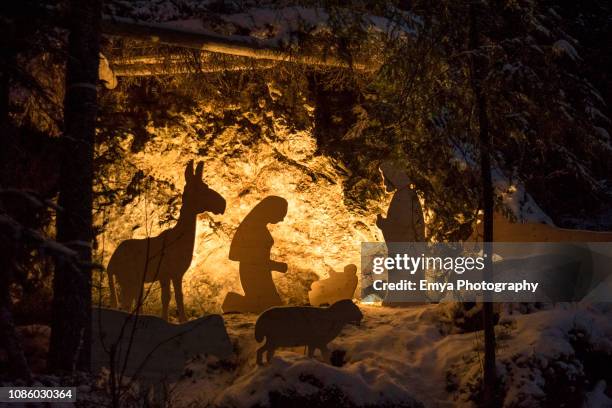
318 233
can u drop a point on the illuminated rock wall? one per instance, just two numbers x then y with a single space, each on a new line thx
244 165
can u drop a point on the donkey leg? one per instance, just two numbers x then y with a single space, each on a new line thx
121 297
126 298
165 295
178 295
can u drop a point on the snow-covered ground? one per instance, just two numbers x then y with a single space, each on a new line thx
401 355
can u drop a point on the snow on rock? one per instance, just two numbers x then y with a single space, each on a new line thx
270 23
603 134
545 353
516 199
514 196
279 24
597 398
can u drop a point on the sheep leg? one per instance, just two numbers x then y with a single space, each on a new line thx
270 354
260 352
311 350
325 352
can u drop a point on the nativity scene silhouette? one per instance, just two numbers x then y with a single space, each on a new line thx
166 257
251 246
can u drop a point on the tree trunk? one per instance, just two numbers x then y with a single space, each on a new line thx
71 322
4 95
17 363
477 73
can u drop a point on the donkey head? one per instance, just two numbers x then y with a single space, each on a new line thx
197 196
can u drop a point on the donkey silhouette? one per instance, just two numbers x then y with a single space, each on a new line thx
166 257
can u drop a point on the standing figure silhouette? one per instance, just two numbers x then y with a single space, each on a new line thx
251 247
404 222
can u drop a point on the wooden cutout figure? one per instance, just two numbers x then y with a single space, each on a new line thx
338 286
166 257
590 271
506 231
251 247
404 222
151 349
296 326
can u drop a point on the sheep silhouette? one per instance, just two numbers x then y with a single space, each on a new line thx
313 327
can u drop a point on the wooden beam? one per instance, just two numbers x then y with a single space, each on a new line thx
143 69
232 45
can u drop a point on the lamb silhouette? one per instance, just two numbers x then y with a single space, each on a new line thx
337 287
251 246
313 327
166 257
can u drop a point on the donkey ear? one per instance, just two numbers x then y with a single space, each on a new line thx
198 170
189 171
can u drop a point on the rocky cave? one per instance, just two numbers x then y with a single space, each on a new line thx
251 149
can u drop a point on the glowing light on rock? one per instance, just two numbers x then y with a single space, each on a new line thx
319 233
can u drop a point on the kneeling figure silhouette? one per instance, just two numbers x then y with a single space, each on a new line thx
313 327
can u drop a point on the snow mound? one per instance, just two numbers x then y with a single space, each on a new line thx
405 357
597 398
554 350
298 377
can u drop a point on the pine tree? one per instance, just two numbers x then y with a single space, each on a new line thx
478 68
71 322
